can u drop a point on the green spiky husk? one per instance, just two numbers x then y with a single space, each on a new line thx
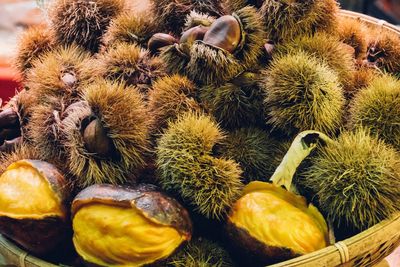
176 57
211 65
122 113
44 78
131 64
257 152
169 97
171 15
187 167
354 33
33 43
83 22
325 47
377 107
355 180
386 54
130 28
254 36
236 104
287 19
201 253
302 94
196 19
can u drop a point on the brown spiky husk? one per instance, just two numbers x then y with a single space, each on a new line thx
132 64
325 47
355 180
360 79
354 33
195 19
34 42
257 152
176 57
236 104
384 50
24 151
287 19
187 167
302 94
171 15
211 65
122 113
254 36
45 76
234 5
130 28
377 107
171 96
83 22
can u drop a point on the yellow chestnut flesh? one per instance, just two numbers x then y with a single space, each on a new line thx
119 236
26 194
278 218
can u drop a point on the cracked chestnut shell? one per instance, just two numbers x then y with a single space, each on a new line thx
272 224
224 33
147 225
33 209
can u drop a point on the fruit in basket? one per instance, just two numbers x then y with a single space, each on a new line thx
201 252
171 96
146 225
354 33
326 47
130 63
383 50
171 15
130 28
257 152
287 19
83 22
237 103
62 72
111 115
355 180
33 43
274 225
187 167
302 93
377 107
33 205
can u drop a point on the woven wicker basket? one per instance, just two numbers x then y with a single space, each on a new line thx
363 250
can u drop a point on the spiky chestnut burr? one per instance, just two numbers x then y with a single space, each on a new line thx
302 94
234 5
361 78
130 28
326 47
355 180
107 137
201 252
34 42
237 103
62 72
171 15
354 33
287 19
197 19
188 168
83 22
171 96
130 63
377 107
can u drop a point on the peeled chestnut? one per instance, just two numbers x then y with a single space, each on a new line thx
122 226
96 140
33 210
193 34
224 33
275 225
160 40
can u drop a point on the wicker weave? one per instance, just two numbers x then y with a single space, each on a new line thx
363 250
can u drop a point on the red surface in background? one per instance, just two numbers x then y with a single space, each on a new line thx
8 82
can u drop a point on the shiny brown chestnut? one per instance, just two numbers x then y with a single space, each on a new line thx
160 40
194 34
